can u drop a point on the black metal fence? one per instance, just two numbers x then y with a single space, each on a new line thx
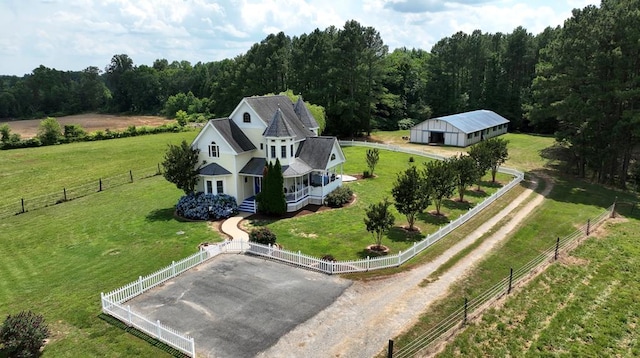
25 204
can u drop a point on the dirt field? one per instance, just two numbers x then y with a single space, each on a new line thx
91 122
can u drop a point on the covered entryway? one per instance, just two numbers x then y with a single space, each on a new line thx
436 138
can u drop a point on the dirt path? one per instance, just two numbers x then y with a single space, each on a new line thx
361 321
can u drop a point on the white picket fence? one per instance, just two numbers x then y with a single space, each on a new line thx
112 302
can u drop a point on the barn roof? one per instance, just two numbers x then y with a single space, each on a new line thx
473 121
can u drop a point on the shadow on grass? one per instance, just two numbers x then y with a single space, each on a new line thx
152 341
165 214
457 205
474 193
400 234
433 219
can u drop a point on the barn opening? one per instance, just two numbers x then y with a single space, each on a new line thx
436 138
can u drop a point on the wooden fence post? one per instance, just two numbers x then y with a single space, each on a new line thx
22 202
173 268
131 175
465 311
100 182
555 257
159 172
390 349
613 209
588 226
510 280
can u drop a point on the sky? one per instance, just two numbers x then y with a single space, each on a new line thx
75 34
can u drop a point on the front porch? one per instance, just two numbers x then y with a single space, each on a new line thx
299 191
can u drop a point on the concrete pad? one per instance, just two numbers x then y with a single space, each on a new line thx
237 305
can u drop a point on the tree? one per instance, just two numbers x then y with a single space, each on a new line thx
49 131
271 200
23 335
482 157
373 155
5 133
182 117
180 166
379 220
441 178
411 194
466 172
497 148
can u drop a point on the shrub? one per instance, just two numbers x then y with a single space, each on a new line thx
328 258
49 131
74 132
23 334
411 160
339 197
262 235
201 206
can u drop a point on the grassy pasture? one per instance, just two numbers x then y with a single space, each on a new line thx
32 172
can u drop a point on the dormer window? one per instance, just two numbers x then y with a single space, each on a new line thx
214 150
246 117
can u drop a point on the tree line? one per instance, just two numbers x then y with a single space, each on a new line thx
578 81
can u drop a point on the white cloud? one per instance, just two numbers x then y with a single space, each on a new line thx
74 34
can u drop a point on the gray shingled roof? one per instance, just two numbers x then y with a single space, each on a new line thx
303 113
254 167
278 127
474 121
315 151
296 168
266 106
233 135
213 169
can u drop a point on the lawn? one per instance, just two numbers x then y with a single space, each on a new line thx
587 305
342 233
32 172
56 261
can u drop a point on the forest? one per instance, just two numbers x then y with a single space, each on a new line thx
579 82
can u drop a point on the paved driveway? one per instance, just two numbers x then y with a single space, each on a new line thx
237 305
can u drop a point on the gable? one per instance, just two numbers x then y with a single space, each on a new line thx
317 152
265 108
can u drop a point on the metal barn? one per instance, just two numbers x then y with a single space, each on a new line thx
460 130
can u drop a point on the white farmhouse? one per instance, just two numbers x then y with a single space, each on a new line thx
459 130
235 150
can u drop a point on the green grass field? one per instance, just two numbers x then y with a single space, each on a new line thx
57 260
586 305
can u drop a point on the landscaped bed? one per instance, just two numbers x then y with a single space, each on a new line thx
342 233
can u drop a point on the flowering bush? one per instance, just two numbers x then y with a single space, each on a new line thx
200 206
262 235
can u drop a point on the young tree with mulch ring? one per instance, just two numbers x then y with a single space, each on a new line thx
441 178
373 156
378 221
482 156
498 153
411 193
466 173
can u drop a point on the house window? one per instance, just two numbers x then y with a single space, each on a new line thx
261 146
219 187
246 117
469 135
291 150
209 188
273 151
214 150
333 156
283 151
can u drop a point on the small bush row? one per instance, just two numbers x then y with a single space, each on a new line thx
201 206
75 133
